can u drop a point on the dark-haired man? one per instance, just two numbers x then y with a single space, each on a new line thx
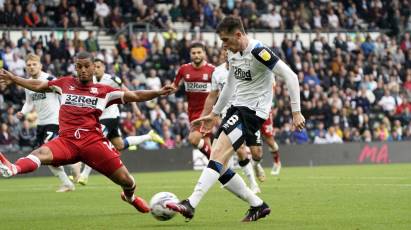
80 136
251 75
197 81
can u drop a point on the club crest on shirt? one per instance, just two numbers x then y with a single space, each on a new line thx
187 76
205 77
71 87
265 55
93 90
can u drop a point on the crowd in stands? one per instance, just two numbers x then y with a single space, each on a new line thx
353 88
297 15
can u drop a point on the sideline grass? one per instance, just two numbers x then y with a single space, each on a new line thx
336 197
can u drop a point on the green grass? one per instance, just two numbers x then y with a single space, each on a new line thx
337 197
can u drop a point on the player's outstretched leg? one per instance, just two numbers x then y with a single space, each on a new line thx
123 178
66 184
136 140
25 164
276 159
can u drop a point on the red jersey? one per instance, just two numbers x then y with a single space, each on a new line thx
82 105
197 82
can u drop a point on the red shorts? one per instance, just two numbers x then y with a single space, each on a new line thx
267 129
92 149
192 115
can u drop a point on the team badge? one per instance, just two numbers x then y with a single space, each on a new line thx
187 76
205 77
93 90
71 87
265 55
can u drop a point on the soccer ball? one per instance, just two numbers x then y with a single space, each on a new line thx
158 205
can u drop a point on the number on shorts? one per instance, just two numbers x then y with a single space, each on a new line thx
109 145
232 120
48 137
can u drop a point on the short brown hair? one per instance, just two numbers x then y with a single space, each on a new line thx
229 24
32 57
197 45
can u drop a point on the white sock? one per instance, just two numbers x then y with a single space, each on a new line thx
135 140
61 174
249 173
205 182
86 171
200 143
238 187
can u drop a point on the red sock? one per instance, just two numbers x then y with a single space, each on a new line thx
206 150
276 156
27 164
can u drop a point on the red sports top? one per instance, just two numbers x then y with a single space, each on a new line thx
82 105
197 83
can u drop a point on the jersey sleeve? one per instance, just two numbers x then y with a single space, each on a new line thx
265 56
28 104
57 85
214 82
178 77
114 96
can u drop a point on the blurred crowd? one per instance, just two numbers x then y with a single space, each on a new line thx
297 15
353 88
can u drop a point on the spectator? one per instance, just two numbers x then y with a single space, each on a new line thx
91 43
332 137
6 139
102 11
27 136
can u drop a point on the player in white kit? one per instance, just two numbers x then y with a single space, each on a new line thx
110 119
251 75
47 106
218 80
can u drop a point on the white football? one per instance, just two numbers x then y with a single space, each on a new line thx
158 205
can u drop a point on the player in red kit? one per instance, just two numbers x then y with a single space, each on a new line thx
267 132
197 81
80 136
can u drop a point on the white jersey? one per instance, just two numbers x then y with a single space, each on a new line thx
47 105
251 76
112 111
218 80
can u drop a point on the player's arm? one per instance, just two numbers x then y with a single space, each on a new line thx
225 95
146 95
209 102
31 84
282 70
177 81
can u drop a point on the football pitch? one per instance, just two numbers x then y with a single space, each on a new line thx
334 197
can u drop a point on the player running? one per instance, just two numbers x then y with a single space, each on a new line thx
267 132
47 106
251 69
110 119
80 136
197 81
